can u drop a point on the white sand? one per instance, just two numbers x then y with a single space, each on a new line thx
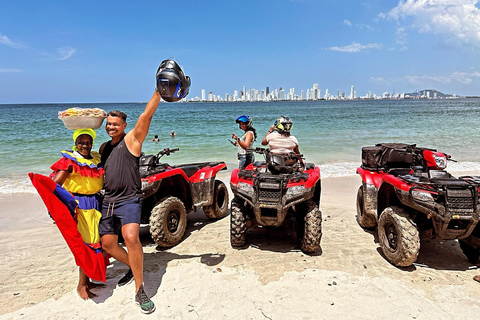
204 278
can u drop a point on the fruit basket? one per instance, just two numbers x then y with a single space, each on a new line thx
79 118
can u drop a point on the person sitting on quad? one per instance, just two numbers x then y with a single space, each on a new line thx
280 141
245 156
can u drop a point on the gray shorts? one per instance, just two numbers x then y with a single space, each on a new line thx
116 215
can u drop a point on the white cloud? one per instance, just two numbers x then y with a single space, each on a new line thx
10 70
457 22
9 43
455 77
65 52
360 26
357 47
401 36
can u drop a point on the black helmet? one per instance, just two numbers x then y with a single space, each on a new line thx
172 83
283 124
245 119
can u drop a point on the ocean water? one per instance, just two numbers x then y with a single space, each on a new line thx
330 133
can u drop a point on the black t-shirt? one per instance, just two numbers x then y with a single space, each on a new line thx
122 177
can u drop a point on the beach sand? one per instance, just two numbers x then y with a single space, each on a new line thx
205 278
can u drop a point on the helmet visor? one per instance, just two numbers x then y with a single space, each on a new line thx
242 119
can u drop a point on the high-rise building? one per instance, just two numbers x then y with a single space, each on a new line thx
203 94
267 90
352 93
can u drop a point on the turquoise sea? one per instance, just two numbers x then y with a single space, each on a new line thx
331 133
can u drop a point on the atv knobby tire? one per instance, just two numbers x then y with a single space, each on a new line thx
312 232
238 224
364 220
168 222
219 207
398 236
472 254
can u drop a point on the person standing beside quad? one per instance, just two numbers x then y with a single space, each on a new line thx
245 156
122 203
80 173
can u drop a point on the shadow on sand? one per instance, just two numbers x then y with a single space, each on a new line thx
276 239
434 253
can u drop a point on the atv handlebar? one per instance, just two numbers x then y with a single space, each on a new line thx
166 152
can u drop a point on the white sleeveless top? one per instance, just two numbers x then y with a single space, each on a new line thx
240 149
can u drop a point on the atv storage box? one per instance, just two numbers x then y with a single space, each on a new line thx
385 156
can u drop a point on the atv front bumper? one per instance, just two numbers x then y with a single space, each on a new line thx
270 204
454 214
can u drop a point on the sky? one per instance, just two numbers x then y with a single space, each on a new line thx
108 51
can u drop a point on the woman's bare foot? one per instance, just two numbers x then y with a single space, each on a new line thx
92 285
84 293
477 278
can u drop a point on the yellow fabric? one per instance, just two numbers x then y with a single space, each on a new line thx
79 132
76 183
96 158
87 225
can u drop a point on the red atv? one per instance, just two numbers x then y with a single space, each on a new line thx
407 192
270 193
170 192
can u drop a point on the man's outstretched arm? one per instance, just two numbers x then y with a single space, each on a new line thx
134 138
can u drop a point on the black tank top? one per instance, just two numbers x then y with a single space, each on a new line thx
122 178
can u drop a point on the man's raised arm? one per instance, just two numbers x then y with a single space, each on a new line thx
134 138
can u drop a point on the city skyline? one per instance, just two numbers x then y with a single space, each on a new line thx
313 93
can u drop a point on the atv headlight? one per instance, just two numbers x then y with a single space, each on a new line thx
295 191
245 187
422 195
441 162
145 184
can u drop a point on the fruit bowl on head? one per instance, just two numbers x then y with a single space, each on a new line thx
80 118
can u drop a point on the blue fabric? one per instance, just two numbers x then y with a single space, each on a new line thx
90 201
115 215
66 198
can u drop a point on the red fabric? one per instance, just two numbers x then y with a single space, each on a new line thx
91 262
85 171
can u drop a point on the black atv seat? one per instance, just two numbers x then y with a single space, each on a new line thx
309 166
190 169
399 171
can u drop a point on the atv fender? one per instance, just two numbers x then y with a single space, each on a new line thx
370 193
366 176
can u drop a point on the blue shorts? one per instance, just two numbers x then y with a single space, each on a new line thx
116 215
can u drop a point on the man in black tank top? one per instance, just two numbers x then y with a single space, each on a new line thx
121 208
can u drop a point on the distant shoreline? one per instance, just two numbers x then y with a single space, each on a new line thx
270 101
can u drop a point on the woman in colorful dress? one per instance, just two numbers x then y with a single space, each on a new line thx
79 172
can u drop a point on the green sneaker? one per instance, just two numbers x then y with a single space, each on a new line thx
141 299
